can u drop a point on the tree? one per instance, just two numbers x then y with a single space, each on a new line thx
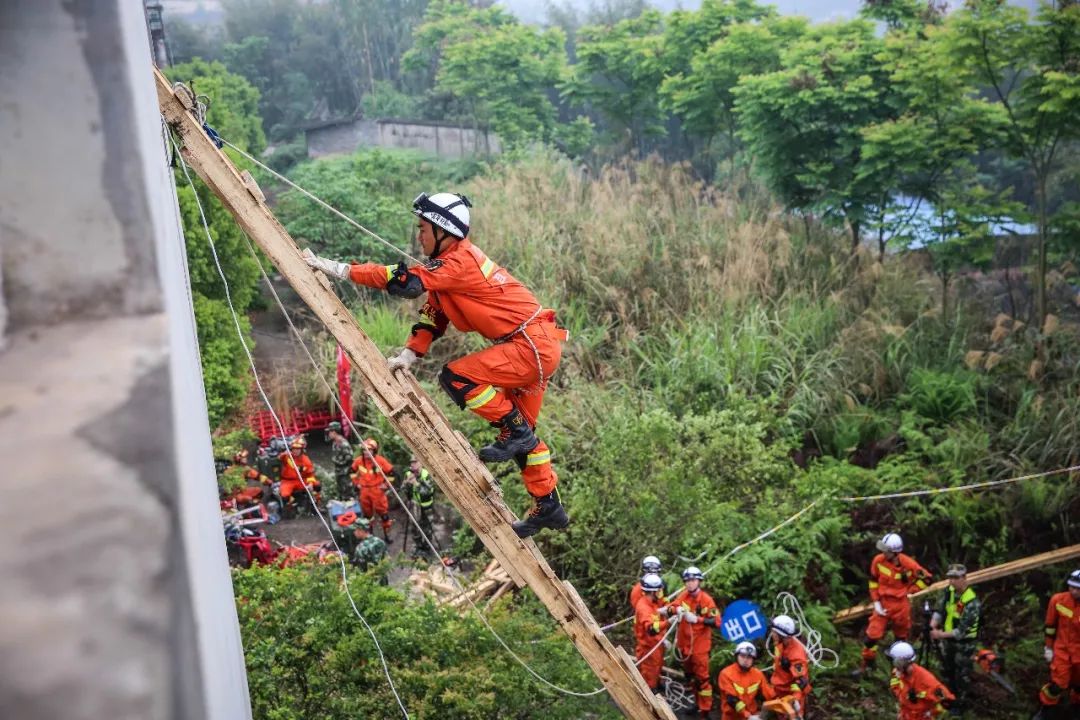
1030 70
618 72
494 70
704 97
942 125
803 124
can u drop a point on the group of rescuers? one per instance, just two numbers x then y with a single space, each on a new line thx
365 477
505 384
742 690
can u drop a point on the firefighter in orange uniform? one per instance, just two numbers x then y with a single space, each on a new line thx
893 576
297 470
369 468
651 564
1062 651
791 667
504 383
698 615
743 688
922 696
650 627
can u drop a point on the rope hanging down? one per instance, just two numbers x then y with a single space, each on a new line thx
281 429
811 640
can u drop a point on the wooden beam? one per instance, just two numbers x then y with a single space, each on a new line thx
445 452
978 576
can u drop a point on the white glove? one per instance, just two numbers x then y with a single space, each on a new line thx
333 268
754 717
664 612
689 617
402 361
667 644
880 609
1048 653
797 708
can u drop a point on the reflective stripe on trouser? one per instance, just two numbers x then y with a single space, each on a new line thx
537 473
651 666
898 619
696 667
506 374
1064 673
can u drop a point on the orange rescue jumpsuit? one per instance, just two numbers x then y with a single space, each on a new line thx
291 474
890 584
367 478
791 671
695 641
650 629
920 693
743 691
468 290
1063 636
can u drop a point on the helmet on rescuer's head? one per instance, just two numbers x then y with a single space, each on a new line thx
446 210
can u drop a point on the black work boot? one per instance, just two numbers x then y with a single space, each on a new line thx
515 438
547 512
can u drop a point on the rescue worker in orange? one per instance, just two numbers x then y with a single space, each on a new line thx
504 383
893 576
743 688
698 615
297 470
1062 652
922 696
651 564
370 473
791 667
650 627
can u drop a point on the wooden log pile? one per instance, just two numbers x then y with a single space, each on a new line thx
492 585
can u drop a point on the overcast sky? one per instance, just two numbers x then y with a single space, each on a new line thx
534 10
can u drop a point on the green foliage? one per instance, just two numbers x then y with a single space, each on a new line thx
233 101
940 397
224 365
376 187
385 101
308 656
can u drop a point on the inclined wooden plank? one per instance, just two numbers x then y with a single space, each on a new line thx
460 475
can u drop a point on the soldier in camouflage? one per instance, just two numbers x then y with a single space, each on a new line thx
955 624
420 490
341 454
370 550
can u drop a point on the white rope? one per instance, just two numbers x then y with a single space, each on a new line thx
958 488
281 428
810 638
321 202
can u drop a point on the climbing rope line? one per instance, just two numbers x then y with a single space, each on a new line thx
958 488
311 196
816 652
281 428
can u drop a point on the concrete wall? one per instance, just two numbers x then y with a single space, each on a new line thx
114 587
442 140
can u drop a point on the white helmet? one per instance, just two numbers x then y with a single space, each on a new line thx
784 626
901 653
891 543
1074 579
651 582
651 564
692 573
447 210
746 648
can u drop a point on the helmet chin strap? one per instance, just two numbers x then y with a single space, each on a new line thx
439 248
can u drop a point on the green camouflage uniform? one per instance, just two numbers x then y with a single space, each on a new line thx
961 614
369 552
342 456
421 491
